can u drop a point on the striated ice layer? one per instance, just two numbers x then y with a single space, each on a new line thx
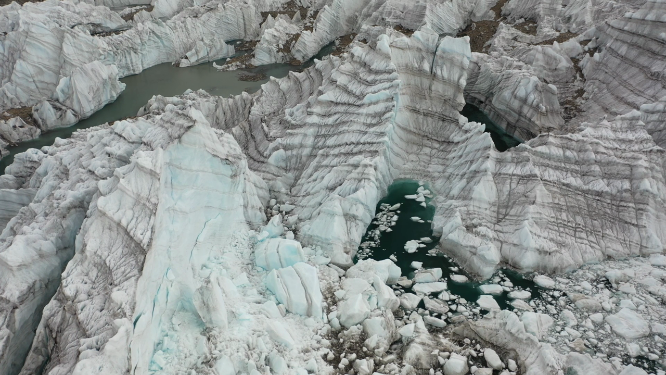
627 70
513 95
390 110
654 117
343 17
531 209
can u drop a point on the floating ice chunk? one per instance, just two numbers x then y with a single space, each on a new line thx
286 208
386 298
416 265
487 302
428 276
435 306
209 302
658 260
520 294
375 327
411 196
277 364
409 301
241 280
568 317
407 331
459 278
434 322
493 289
275 253
544 281
395 207
411 246
633 370
492 359
428 288
224 366
271 310
618 276
273 229
456 365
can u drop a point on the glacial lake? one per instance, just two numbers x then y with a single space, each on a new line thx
502 140
405 229
166 80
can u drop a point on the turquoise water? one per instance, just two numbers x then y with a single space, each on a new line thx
166 80
503 140
392 243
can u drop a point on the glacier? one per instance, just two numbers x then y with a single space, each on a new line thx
219 235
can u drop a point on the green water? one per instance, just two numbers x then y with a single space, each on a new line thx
166 80
503 140
392 243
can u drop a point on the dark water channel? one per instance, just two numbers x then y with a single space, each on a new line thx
503 140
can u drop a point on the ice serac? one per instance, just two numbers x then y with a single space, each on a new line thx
88 157
277 253
297 287
390 109
201 187
77 97
513 96
343 17
276 40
